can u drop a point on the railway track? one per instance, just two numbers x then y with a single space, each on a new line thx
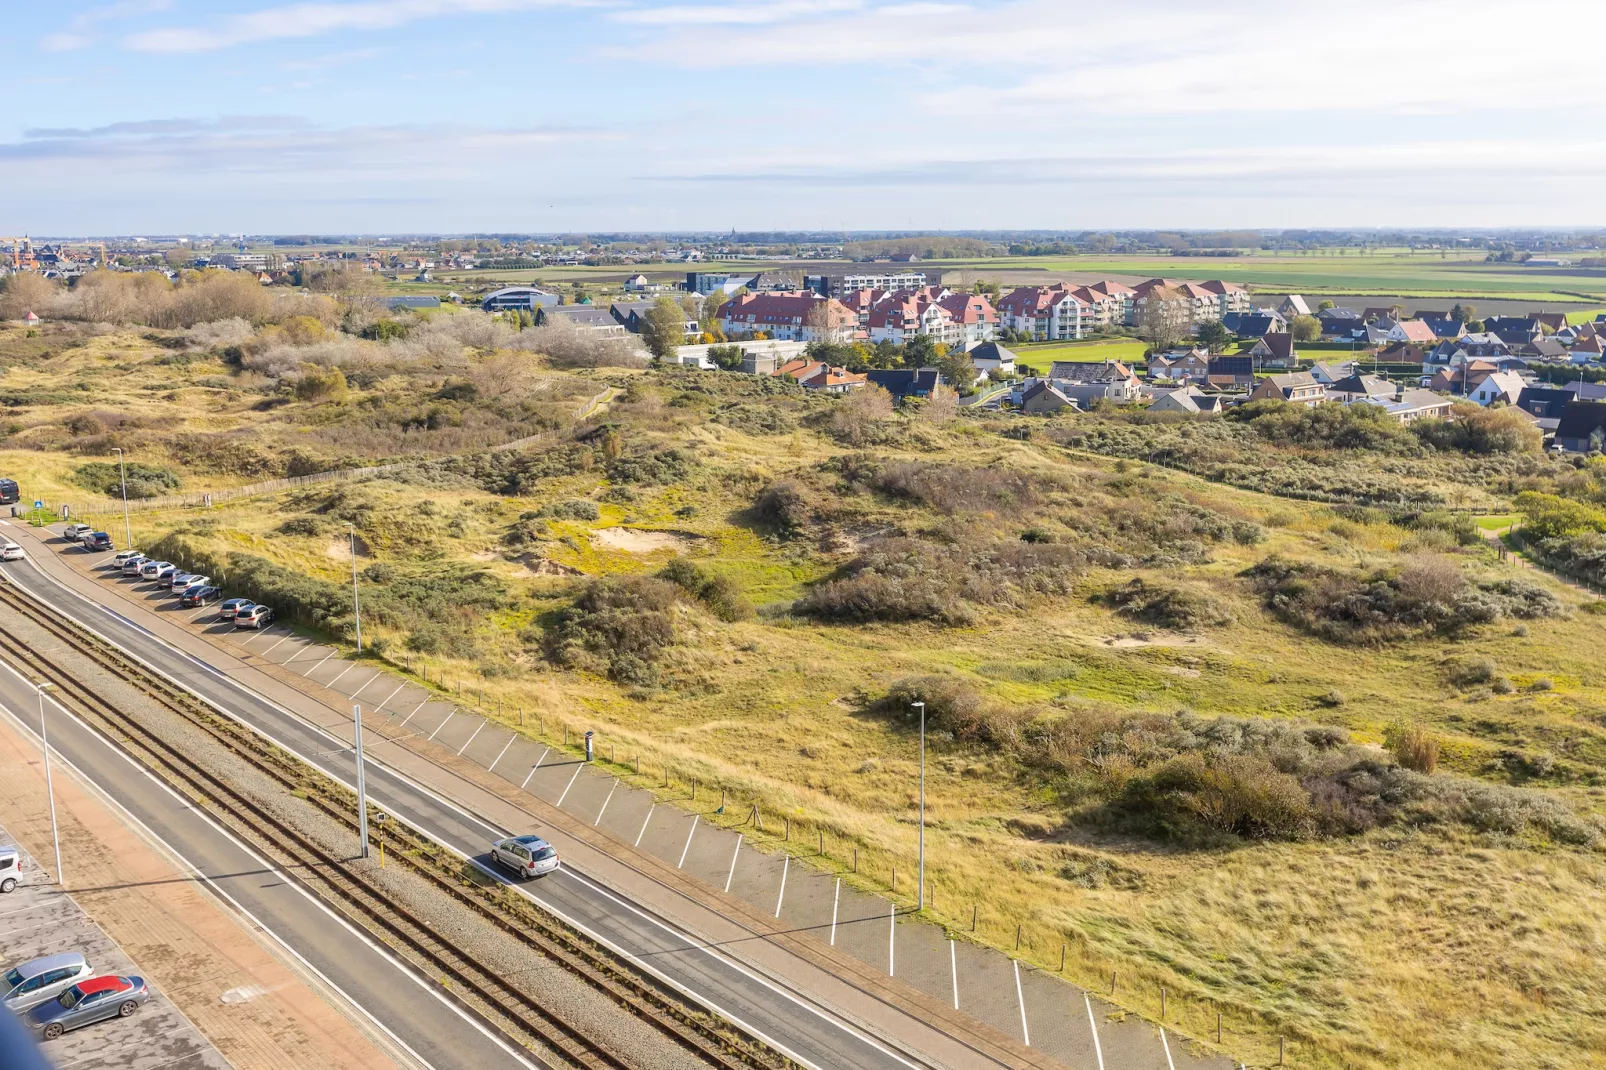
497 999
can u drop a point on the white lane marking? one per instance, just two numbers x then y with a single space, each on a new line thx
534 767
569 785
390 696
331 684
644 821
1020 997
605 803
503 751
953 966
189 806
472 736
409 717
689 834
780 896
314 669
835 901
1169 1064
443 724
1098 1051
377 674
734 855
832 1017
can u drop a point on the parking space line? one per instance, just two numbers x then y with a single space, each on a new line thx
314 669
577 767
443 724
605 803
475 735
1020 997
644 821
689 834
1098 1050
953 967
534 767
365 684
1165 1045
505 746
835 902
892 939
275 646
780 897
336 680
410 716
734 854
390 696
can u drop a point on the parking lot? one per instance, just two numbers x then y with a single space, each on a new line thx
39 919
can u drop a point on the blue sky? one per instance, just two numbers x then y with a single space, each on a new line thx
177 116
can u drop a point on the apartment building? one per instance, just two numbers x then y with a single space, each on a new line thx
799 316
1047 313
900 316
835 285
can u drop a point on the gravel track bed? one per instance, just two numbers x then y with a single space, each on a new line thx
556 989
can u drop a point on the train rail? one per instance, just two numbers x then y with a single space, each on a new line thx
499 1000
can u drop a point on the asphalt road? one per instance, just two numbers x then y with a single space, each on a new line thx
436 1032
809 1036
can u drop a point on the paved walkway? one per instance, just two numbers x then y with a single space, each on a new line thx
696 868
217 991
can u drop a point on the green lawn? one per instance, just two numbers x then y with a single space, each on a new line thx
1497 523
1038 356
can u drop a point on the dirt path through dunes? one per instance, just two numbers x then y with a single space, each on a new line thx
258 1012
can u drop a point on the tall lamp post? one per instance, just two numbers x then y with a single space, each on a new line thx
50 787
920 879
362 785
356 608
122 471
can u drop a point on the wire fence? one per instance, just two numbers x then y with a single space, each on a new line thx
203 499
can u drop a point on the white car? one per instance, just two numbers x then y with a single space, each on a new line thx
122 557
528 856
75 532
151 569
194 583
12 552
31 983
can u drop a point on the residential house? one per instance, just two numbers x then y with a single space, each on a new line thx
1331 371
523 298
1360 387
1555 321
1293 305
799 316
1187 399
1230 297
1235 371
1582 428
1405 353
1204 304
990 358
1513 330
587 316
1413 405
773 282
1274 351
1375 313
1412 331
1455 380
828 380
1341 324
907 382
632 314
1445 327
904 314
974 315
637 284
1047 313
1545 404
1113 379
1296 388
1588 350
1256 324
1543 349
1043 398
1497 388
861 303
1181 366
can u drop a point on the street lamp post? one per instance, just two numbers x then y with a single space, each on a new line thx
50 787
122 472
920 878
356 607
362 786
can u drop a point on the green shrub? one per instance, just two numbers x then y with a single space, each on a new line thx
782 507
144 480
618 626
1167 605
720 594
571 509
1243 795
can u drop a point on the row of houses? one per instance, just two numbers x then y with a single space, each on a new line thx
1063 312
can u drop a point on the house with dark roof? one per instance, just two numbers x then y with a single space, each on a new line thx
906 382
1274 351
1357 387
1445 327
1254 324
990 357
1582 428
1186 366
1296 388
1231 371
588 316
1341 324
1187 399
1545 404
1413 405
1328 372
1042 398
1543 349
632 314
1513 330
1554 320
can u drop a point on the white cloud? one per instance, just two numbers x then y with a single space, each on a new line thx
317 19
81 31
742 13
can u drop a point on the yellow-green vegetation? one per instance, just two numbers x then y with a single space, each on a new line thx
1039 357
1331 770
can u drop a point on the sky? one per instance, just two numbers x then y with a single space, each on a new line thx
458 116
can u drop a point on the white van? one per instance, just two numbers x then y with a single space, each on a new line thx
10 867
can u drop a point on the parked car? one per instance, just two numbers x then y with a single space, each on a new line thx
528 856
96 541
149 569
12 552
172 579
179 580
254 617
131 566
201 596
123 556
231 608
88 1002
31 983
10 867
195 580
76 532
164 575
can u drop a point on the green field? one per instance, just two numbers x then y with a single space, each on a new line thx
1039 356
